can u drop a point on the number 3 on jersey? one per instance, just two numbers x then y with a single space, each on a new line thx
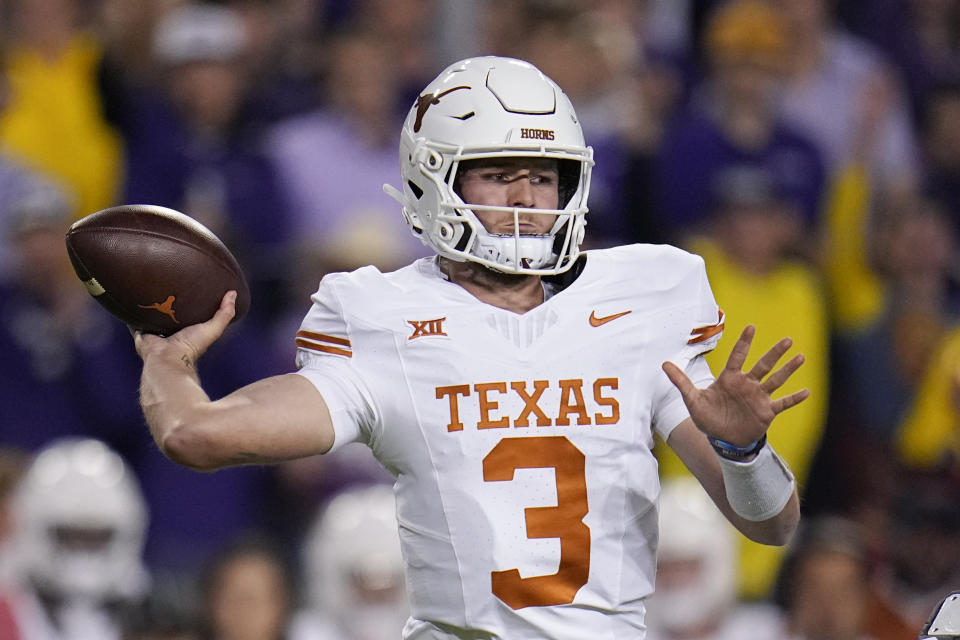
564 521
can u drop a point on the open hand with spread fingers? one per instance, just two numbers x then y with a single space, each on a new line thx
738 407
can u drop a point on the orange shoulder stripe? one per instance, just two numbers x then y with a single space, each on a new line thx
322 337
701 334
313 346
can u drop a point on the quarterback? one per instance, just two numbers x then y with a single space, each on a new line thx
512 384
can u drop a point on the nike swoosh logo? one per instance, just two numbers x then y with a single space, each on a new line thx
596 322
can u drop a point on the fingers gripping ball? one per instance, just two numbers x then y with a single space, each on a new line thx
156 269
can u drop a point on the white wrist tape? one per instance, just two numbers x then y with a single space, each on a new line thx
758 489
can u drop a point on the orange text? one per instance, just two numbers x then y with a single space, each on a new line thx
499 405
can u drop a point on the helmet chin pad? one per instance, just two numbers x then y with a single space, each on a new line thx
528 252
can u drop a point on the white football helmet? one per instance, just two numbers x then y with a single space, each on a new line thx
80 523
692 532
355 571
492 107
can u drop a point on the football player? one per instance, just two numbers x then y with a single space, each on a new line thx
696 590
80 524
512 384
354 568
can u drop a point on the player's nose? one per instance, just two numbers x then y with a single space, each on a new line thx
521 193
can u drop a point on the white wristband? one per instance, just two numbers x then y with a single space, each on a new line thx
758 489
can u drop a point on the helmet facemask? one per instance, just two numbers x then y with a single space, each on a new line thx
519 249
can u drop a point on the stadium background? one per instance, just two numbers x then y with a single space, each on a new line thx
808 149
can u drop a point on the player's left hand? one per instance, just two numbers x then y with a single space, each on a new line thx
738 407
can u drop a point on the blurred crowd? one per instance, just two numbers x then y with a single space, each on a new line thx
809 150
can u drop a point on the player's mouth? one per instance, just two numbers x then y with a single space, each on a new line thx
523 229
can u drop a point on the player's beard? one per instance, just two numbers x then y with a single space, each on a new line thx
483 275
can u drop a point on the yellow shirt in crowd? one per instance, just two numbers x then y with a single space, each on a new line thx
931 429
54 122
857 294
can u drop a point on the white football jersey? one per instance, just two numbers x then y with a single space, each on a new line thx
24 617
521 444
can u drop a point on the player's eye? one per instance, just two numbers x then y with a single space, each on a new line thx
492 175
545 178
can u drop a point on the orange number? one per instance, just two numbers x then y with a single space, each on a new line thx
564 521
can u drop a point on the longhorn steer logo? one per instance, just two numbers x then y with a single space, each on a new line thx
424 102
165 307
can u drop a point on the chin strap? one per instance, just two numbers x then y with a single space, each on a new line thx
395 193
411 218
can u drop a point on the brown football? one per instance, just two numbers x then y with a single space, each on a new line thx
156 269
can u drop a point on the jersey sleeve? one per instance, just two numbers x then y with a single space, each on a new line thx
702 322
706 318
324 357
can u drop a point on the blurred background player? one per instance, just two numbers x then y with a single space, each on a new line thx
13 464
354 569
696 590
80 523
